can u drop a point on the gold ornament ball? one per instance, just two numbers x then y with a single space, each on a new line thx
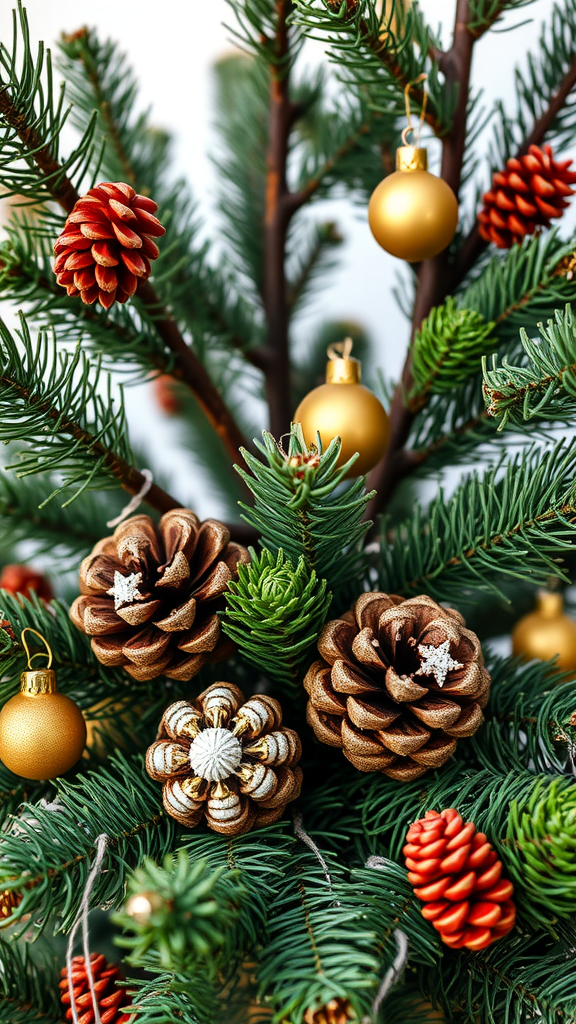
413 214
346 409
42 734
546 633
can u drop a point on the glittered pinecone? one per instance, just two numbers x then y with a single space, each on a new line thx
531 191
10 899
107 244
399 682
458 875
225 760
21 579
150 595
337 1011
109 996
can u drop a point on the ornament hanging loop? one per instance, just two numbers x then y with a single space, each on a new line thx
409 127
39 654
340 349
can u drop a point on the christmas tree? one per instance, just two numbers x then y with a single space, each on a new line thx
312 789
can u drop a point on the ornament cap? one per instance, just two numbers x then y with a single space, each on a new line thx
342 367
38 680
550 603
411 158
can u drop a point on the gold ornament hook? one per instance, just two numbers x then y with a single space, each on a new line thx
409 128
340 349
342 367
39 654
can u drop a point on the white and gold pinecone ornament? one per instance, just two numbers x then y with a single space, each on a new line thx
226 760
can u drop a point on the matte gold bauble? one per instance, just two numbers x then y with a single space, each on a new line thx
344 408
413 214
546 633
42 732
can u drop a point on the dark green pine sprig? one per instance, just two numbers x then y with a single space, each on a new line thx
303 506
274 613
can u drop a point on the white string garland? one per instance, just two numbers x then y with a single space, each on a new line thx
82 919
135 501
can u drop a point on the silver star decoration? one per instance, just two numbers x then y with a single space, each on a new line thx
437 662
125 589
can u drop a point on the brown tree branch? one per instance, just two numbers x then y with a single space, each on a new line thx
278 211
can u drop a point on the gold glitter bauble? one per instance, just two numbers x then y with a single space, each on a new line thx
344 408
42 732
413 214
546 633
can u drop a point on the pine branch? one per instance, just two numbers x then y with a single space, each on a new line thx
516 520
299 509
447 350
52 403
48 857
543 388
28 985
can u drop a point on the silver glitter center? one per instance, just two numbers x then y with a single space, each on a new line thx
437 662
125 589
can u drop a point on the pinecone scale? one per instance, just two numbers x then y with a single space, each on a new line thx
110 998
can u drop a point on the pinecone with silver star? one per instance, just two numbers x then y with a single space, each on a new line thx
150 595
398 683
226 760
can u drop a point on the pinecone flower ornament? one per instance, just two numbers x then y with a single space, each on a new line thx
226 760
107 244
531 191
398 683
458 875
150 596
109 996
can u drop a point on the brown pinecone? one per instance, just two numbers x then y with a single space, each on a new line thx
531 191
398 684
10 899
107 244
150 595
109 996
226 760
166 394
21 579
337 1011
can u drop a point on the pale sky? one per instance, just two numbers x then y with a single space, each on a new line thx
172 46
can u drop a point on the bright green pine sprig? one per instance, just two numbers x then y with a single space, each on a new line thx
301 507
541 851
448 349
192 910
543 388
274 612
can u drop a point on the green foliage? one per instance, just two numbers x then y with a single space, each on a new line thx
29 98
300 507
541 846
515 520
28 985
447 349
544 388
48 852
274 613
192 910
64 412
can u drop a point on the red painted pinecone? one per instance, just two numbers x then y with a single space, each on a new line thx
109 996
458 875
531 191
106 245
398 683
21 579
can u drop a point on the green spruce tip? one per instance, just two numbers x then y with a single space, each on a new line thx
448 348
191 909
541 851
274 613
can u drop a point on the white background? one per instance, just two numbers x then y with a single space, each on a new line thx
172 45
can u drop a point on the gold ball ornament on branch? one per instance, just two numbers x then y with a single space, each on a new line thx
42 732
345 408
413 214
547 633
